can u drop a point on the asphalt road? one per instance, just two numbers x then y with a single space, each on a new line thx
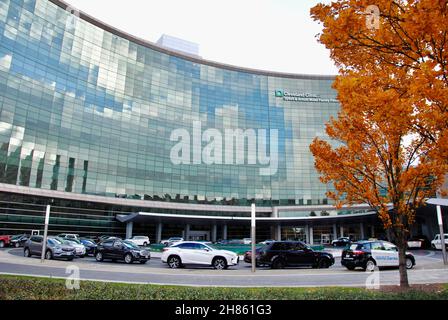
429 269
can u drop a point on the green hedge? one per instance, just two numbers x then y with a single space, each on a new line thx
29 288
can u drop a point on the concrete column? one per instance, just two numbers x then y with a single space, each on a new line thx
275 212
341 231
187 232
335 231
159 232
307 234
278 232
214 232
224 232
129 227
311 235
361 226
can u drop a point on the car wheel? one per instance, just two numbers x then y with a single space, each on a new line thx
174 262
27 252
145 244
48 255
128 258
323 264
219 264
370 265
278 264
335 245
99 256
17 245
2 244
409 263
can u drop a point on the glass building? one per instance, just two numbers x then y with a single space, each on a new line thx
91 120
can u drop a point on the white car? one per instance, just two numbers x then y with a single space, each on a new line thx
140 240
191 252
437 244
247 241
68 236
171 241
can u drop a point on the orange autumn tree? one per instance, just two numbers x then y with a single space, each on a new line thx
374 157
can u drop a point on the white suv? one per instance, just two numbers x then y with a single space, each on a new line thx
198 253
437 244
140 240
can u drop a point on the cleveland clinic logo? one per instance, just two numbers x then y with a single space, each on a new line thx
216 147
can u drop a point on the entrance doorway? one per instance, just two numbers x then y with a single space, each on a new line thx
198 235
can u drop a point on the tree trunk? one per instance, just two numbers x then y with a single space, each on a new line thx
401 244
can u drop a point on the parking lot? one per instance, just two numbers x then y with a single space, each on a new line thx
429 269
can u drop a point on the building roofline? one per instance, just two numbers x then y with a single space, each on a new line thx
88 18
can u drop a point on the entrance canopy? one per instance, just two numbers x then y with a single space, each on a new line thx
146 217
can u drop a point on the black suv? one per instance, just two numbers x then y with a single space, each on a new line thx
116 249
280 254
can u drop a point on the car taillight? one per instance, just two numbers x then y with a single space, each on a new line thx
164 249
357 252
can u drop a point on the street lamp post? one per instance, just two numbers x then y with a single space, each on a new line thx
253 236
44 240
442 235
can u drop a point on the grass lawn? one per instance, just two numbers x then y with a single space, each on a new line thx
30 288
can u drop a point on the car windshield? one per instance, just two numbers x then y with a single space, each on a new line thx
88 242
54 241
74 241
130 245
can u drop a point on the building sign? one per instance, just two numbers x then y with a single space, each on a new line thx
302 97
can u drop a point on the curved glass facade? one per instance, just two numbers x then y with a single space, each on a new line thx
84 110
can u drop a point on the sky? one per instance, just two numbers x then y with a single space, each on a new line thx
274 35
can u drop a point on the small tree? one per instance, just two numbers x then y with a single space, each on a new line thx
312 214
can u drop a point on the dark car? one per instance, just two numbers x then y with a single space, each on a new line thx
54 248
371 254
90 246
419 242
341 242
19 240
104 238
280 254
116 249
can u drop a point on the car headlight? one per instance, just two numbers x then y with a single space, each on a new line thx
135 252
58 250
